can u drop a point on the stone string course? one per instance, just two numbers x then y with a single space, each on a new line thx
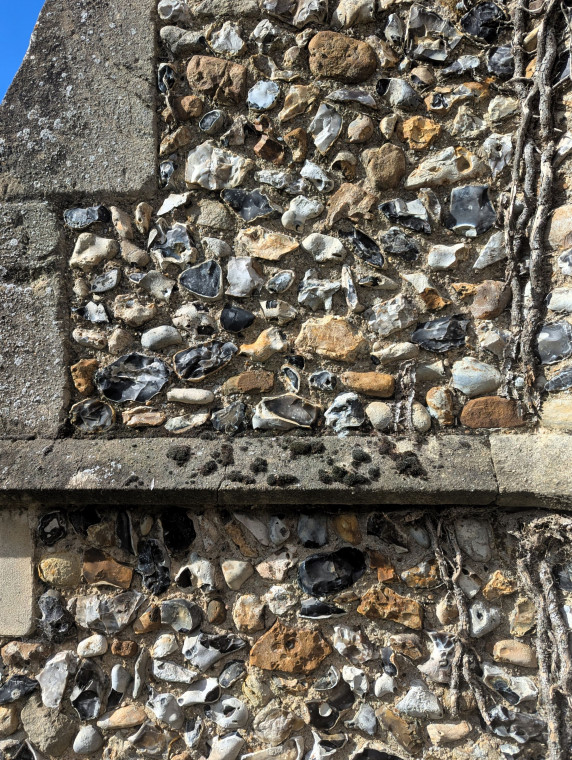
253 635
326 248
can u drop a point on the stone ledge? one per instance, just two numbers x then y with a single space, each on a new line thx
533 470
79 115
137 472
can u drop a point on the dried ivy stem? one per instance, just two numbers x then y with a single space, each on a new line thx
546 57
543 647
559 628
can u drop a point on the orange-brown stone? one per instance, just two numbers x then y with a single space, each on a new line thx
124 648
222 80
419 132
376 384
336 56
491 412
82 374
331 337
188 107
292 650
491 299
383 602
251 381
99 569
385 570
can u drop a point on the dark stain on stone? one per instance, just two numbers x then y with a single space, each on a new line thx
208 467
259 465
179 454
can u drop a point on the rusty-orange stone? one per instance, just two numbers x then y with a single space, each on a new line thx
292 650
383 602
491 412
223 80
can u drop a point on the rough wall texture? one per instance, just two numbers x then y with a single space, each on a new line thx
218 634
324 230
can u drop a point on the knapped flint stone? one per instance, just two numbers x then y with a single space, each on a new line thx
124 531
399 94
316 610
397 243
178 530
280 282
230 419
196 363
56 623
104 282
182 615
312 531
92 415
441 334
52 527
204 280
322 574
231 673
133 377
500 61
555 342
364 247
412 214
88 691
561 381
248 204
16 687
471 212
212 122
515 724
82 218
235 319
483 21
323 717
323 380
379 525
369 753
154 566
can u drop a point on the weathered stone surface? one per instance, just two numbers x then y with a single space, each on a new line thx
515 653
8 720
222 80
251 381
60 569
102 64
532 470
384 166
292 650
559 232
556 413
51 732
384 603
491 412
96 470
16 574
31 322
331 337
339 57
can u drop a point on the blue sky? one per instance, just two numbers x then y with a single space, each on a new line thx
16 26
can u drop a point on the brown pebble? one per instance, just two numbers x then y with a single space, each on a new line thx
384 166
340 57
124 648
216 612
491 412
149 621
188 107
269 149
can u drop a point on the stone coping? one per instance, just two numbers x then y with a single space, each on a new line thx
503 470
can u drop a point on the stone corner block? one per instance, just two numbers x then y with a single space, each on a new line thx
79 115
533 470
16 574
33 374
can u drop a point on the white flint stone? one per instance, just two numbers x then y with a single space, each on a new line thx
356 679
474 378
500 108
120 678
325 127
351 12
227 39
420 417
299 211
166 709
173 673
384 684
324 247
560 299
498 152
174 11
493 251
236 572
53 677
444 168
242 277
483 619
279 599
202 692
226 747
565 262
491 337
397 352
420 702
165 645
161 337
475 538
317 176
93 646
195 396
442 257
91 250
214 168
387 317
173 201
263 95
